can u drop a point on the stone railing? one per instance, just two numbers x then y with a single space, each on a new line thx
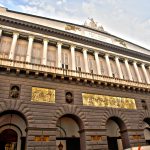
73 74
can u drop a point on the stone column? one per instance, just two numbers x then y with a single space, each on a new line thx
0 32
45 46
73 63
128 69
108 65
85 60
29 51
119 67
97 63
137 71
59 51
13 45
145 73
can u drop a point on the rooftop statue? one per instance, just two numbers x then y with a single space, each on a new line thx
94 25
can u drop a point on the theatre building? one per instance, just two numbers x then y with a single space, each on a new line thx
65 86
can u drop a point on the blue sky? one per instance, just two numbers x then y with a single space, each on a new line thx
128 19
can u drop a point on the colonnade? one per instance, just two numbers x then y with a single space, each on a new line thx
85 58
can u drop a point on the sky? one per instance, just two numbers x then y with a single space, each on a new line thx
127 19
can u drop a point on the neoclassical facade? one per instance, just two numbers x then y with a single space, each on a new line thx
65 86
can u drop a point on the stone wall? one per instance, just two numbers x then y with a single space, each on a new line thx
42 117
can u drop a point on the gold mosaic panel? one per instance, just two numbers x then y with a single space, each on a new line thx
43 95
108 101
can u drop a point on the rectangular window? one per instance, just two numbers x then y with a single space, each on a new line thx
108 101
78 63
37 53
43 95
102 68
91 65
21 50
65 61
5 47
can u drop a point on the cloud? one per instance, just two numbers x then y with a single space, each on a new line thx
60 2
2 5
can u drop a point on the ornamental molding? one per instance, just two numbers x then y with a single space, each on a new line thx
72 110
109 113
143 115
17 105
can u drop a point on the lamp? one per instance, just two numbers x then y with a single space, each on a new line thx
60 146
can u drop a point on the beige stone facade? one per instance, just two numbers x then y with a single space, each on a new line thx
61 63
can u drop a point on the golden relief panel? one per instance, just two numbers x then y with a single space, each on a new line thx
108 101
43 95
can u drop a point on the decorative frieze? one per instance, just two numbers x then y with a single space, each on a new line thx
43 95
108 101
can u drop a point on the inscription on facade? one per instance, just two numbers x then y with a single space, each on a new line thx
108 101
43 95
96 138
41 138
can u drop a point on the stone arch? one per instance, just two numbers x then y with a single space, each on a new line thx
143 115
18 107
109 113
70 110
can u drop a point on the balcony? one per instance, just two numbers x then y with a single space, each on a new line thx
70 74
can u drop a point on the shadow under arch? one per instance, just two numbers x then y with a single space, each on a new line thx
122 130
147 120
81 132
146 130
16 112
16 121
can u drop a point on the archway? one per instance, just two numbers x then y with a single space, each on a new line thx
117 136
12 125
146 126
8 140
70 135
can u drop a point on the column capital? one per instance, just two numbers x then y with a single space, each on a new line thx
143 64
45 40
96 52
59 43
16 33
85 49
126 59
30 37
134 62
117 57
72 46
107 55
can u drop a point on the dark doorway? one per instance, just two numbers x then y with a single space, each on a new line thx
117 135
71 143
8 140
148 142
112 143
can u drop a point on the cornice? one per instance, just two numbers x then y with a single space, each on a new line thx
46 72
70 36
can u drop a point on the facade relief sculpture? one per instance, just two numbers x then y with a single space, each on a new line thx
94 25
108 101
121 42
43 95
72 27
